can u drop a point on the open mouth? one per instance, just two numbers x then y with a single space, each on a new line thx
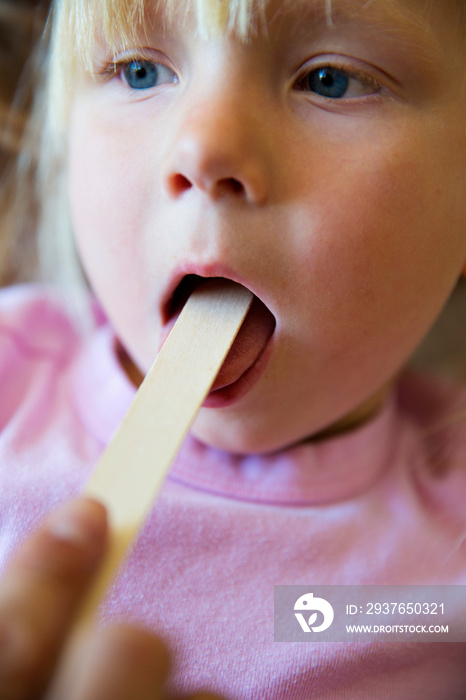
243 364
180 296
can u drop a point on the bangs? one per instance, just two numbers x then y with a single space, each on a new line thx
122 23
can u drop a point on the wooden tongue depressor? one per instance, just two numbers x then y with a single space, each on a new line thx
134 466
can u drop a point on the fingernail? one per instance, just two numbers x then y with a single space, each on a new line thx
80 521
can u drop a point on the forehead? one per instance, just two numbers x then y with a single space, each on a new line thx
246 17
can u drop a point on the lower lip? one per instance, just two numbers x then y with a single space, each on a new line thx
230 394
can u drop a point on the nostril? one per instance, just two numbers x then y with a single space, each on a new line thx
230 185
180 184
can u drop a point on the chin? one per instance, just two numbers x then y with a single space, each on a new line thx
236 437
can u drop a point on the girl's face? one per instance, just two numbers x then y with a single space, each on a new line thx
321 164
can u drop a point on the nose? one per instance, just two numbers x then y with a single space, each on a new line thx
218 150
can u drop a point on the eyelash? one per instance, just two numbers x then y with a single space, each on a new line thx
107 71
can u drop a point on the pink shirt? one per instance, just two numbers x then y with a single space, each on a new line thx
383 504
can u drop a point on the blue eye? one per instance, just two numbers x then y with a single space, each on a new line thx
328 82
143 74
335 83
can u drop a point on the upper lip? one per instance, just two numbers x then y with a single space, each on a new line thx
175 296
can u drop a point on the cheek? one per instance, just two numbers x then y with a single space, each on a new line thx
112 216
112 200
104 197
375 250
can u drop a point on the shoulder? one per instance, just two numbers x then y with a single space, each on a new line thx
434 408
34 323
432 401
38 340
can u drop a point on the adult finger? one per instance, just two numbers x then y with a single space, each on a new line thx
115 663
40 592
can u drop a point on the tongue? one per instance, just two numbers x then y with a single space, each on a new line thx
251 340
